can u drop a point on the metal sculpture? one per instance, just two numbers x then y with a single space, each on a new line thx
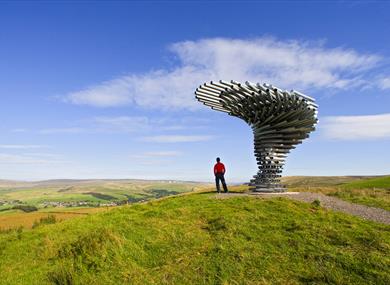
279 120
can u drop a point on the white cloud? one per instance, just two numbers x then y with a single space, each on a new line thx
128 124
159 89
75 130
154 154
21 146
44 155
384 83
286 64
357 127
155 157
176 138
122 123
6 158
19 130
289 64
167 153
114 124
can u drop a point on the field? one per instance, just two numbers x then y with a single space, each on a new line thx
66 199
16 219
197 239
371 191
90 191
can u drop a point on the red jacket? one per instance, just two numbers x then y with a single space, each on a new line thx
219 168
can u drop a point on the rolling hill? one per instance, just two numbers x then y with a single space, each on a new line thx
197 239
89 192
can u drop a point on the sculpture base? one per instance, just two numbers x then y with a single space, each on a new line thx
268 189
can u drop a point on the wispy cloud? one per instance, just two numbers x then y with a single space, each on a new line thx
113 124
384 83
75 130
158 89
19 130
121 123
357 127
167 153
287 64
21 146
177 138
155 157
7 158
129 124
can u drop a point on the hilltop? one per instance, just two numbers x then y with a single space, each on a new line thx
197 239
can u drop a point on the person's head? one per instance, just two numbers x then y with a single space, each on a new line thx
218 159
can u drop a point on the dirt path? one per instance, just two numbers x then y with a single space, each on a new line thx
365 212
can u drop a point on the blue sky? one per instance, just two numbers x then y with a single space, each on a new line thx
105 89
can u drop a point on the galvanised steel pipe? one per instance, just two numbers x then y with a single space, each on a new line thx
279 120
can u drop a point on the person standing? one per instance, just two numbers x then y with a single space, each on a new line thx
219 172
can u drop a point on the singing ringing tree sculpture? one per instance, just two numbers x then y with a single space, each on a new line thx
279 120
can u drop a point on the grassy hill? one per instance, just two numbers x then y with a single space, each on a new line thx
382 182
372 191
198 239
320 181
328 181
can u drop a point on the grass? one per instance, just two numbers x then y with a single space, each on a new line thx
372 183
320 181
374 192
370 191
16 219
197 239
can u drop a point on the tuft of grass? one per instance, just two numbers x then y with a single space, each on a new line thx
62 275
50 219
197 239
316 203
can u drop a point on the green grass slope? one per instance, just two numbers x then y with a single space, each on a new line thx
197 239
369 191
320 181
373 192
382 182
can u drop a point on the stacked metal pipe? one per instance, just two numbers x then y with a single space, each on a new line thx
279 119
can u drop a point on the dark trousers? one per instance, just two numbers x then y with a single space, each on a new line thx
220 177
